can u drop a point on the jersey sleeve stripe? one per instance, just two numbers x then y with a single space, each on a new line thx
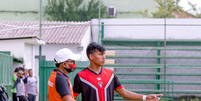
76 94
120 87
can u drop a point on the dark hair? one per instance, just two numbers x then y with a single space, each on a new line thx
16 69
92 47
57 64
29 70
21 68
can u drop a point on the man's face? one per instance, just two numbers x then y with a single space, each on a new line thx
20 75
98 58
69 61
30 73
26 72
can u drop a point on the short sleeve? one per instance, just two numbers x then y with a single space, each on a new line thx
62 86
14 77
117 84
36 79
77 87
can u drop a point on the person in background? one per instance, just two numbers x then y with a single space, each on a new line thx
25 72
30 83
19 84
59 85
13 81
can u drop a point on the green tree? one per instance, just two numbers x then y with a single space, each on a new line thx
73 10
196 12
172 7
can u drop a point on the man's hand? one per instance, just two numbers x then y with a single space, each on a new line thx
26 95
11 90
153 97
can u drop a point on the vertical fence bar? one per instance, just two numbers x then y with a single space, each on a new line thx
102 32
99 9
172 90
165 51
158 69
40 49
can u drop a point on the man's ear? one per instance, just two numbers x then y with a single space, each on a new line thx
64 64
90 56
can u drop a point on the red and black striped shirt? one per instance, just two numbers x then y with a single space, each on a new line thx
96 87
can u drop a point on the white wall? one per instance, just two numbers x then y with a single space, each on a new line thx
15 46
149 32
29 56
49 50
85 42
16 65
20 49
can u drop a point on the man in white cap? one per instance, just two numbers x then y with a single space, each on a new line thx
59 85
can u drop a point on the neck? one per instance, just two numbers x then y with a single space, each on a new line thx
95 68
62 70
30 75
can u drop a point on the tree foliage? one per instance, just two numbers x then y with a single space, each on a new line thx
73 10
172 7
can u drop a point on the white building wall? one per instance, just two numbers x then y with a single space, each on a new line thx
15 46
49 50
151 31
20 49
28 56
85 42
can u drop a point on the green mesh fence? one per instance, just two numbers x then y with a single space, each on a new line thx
138 63
6 66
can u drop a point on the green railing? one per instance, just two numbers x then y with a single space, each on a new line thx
182 61
6 69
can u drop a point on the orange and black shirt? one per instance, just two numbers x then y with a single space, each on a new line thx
59 86
96 87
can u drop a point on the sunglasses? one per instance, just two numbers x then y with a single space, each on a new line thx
70 61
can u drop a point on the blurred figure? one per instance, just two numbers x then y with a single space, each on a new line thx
25 71
30 83
19 84
13 81
26 74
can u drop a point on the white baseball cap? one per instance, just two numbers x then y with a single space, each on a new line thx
65 54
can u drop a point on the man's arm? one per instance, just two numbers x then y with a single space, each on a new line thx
25 86
75 97
62 87
17 81
36 88
134 96
68 98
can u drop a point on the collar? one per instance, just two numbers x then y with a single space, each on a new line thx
56 70
95 72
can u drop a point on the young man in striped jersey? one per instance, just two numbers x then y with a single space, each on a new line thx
98 84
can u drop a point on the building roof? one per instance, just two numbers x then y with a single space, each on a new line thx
52 32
